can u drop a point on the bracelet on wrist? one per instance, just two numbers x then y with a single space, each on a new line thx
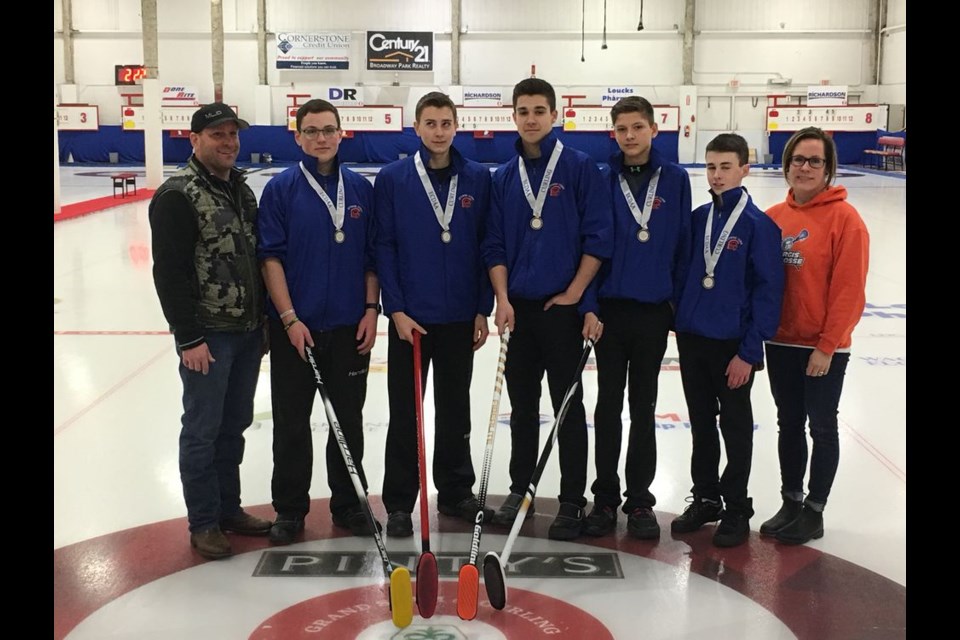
287 326
286 313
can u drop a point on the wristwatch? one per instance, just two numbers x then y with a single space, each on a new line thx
374 305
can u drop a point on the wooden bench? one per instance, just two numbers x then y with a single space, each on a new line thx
889 152
123 182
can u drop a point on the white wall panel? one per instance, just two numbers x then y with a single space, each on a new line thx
567 15
893 68
805 59
896 12
786 15
328 15
508 60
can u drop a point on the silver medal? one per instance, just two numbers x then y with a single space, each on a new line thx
643 235
445 236
708 282
339 236
536 224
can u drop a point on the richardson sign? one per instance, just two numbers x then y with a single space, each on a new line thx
400 50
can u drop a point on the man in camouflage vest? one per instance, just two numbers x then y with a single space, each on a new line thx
204 221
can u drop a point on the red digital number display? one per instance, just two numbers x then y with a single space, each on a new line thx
129 73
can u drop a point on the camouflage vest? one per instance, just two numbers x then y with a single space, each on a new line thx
229 285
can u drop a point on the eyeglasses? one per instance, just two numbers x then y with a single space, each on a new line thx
814 162
312 132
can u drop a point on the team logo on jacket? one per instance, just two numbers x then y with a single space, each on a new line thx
733 243
466 201
789 241
555 189
355 211
790 255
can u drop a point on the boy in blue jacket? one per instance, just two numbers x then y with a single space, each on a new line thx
550 228
729 304
432 215
316 253
651 209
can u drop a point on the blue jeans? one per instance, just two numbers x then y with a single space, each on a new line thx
799 397
217 408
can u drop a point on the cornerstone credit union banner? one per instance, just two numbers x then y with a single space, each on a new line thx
329 50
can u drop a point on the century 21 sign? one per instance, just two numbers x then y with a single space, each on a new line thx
400 50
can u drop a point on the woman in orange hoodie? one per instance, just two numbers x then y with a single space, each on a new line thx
825 255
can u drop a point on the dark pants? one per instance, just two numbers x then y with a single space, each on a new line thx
293 390
703 365
217 408
548 341
633 343
450 348
799 397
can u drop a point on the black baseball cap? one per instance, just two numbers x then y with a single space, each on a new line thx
213 114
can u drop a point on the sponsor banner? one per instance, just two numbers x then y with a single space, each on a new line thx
485 119
611 95
179 96
326 50
353 564
400 50
484 97
78 117
827 96
868 117
598 118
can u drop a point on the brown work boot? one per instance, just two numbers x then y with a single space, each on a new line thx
245 524
211 544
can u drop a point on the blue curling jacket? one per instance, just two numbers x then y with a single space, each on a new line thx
325 279
646 271
431 281
745 302
577 220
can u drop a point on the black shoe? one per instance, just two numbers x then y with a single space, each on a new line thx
466 509
789 512
286 529
355 519
698 513
642 524
808 526
399 524
734 529
507 512
568 525
245 524
601 521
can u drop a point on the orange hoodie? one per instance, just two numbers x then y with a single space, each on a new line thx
825 254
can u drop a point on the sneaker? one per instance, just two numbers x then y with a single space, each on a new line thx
601 521
286 529
399 524
568 524
507 512
808 526
734 529
466 509
355 519
698 513
211 544
642 524
789 512
245 524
